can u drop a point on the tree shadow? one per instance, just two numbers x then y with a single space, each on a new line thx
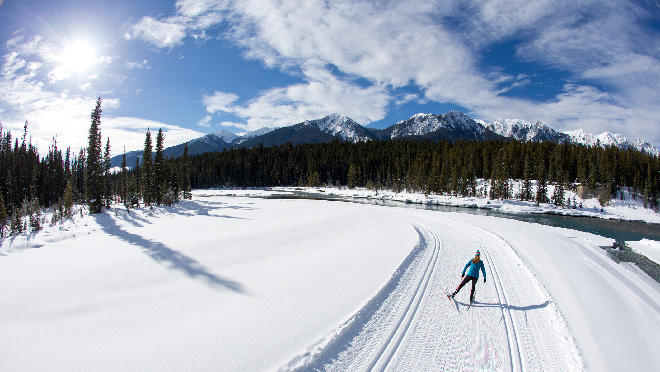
167 256
138 217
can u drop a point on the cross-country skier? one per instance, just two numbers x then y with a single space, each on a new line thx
475 265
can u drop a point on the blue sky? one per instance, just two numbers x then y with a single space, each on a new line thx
193 67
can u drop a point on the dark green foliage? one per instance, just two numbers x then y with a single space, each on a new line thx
3 216
160 171
94 176
184 174
430 167
107 184
148 194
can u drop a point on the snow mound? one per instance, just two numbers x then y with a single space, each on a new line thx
648 248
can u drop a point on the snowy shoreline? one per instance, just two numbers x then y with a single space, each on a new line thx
629 209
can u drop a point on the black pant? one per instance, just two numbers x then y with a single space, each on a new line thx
464 282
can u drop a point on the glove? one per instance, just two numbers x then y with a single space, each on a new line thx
484 280
462 276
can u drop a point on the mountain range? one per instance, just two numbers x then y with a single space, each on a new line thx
452 126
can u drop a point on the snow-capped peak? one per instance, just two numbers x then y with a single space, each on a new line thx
522 130
242 137
225 135
610 139
421 124
339 126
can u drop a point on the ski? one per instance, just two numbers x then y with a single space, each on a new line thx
452 300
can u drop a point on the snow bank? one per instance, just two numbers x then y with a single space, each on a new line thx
628 208
647 247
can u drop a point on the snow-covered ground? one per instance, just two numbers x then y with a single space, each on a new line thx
628 208
234 284
648 248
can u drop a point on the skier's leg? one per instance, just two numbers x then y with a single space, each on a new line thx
464 282
474 283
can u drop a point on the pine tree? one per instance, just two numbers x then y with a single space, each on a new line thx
526 193
160 171
147 172
558 193
94 175
185 182
107 164
16 222
123 189
68 199
3 216
542 190
352 176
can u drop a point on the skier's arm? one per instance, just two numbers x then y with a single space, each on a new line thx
483 270
465 268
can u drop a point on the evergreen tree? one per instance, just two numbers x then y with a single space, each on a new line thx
68 199
107 163
123 189
94 174
16 222
526 193
160 171
185 184
352 176
147 172
3 216
558 193
542 189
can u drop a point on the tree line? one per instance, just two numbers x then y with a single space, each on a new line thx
62 179
436 168
30 183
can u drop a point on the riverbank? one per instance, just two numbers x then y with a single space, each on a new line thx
624 209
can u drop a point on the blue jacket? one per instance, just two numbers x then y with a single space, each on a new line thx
474 269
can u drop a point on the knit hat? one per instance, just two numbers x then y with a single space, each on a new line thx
478 254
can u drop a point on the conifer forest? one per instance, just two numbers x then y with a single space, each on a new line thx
60 179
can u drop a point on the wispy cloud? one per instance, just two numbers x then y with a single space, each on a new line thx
322 95
163 34
139 65
205 121
220 101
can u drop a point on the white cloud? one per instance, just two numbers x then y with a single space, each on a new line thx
205 121
163 34
219 101
408 97
191 18
138 65
322 95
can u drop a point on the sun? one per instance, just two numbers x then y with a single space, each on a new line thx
77 56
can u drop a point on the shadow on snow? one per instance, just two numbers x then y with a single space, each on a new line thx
505 306
164 255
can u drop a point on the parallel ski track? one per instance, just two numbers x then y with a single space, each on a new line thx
536 335
410 325
515 354
384 357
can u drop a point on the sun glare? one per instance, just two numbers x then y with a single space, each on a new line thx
77 57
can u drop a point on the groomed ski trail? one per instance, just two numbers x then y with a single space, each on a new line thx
409 325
